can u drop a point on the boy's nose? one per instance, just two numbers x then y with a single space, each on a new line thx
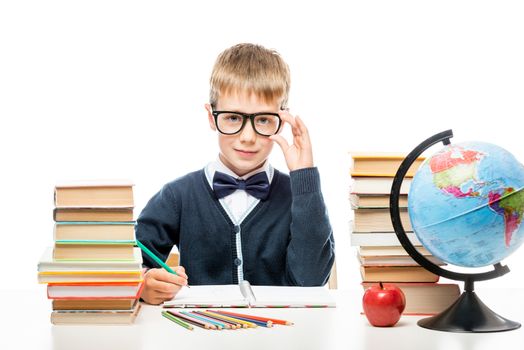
247 134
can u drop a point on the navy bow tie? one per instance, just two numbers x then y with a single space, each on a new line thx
257 185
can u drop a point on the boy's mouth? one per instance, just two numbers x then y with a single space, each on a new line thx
245 153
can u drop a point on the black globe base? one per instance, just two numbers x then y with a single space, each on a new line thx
468 314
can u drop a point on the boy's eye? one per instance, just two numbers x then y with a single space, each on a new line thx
265 120
262 120
232 118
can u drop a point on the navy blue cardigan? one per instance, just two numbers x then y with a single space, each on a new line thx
286 239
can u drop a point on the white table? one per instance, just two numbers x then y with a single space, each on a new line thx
26 326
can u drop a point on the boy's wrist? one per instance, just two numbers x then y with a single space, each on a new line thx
305 180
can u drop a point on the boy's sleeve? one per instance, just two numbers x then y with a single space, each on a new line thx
311 250
157 226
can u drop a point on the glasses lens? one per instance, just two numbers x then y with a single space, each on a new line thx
229 123
267 124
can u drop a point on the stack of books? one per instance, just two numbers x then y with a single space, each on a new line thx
381 256
93 272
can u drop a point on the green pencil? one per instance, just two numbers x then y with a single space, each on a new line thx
155 258
177 320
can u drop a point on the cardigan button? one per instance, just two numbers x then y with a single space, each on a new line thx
236 229
238 262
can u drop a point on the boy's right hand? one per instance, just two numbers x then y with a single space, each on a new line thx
160 285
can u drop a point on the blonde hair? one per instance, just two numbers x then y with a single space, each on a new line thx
253 69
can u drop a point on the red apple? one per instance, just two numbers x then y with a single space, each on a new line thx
383 304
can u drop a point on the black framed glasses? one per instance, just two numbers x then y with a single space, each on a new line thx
230 123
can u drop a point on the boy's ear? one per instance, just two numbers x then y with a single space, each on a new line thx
210 118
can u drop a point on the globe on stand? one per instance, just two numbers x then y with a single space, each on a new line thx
466 206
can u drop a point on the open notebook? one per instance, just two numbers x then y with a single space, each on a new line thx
245 295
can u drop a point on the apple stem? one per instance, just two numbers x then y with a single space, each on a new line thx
381 285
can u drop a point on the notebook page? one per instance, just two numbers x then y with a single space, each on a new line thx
273 296
228 295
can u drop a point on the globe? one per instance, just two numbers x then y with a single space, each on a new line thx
466 204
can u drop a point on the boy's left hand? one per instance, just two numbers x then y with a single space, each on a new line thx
299 155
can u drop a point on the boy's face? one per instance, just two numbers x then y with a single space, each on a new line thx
245 151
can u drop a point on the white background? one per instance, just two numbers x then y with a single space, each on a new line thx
116 89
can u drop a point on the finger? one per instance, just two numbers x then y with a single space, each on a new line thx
152 299
163 287
301 126
165 276
284 145
296 129
157 299
288 118
164 296
168 295
304 140
180 270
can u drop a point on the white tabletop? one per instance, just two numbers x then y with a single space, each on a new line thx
26 325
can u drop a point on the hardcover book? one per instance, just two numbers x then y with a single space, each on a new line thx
65 277
371 239
94 194
397 274
371 201
82 230
378 220
48 264
380 164
94 250
93 214
94 304
377 185
95 316
393 260
91 291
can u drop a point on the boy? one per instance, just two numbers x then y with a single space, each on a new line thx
239 218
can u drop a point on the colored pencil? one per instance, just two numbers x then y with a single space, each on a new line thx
155 258
225 319
222 324
191 320
247 318
202 319
247 323
233 325
177 320
267 324
258 318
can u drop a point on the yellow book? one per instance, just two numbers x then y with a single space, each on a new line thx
381 164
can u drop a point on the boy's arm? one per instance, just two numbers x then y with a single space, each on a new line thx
310 253
157 226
